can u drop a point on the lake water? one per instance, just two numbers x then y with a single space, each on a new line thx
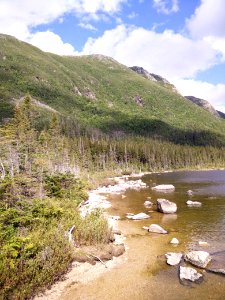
144 273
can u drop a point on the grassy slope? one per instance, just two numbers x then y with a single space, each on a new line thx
53 80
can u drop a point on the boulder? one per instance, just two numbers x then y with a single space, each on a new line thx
173 259
188 273
193 203
156 229
118 250
174 241
198 258
164 188
147 203
140 216
166 206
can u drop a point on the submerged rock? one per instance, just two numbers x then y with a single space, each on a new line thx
198 258
217 265
140 216
156 229
147 203
187 273
166 206
174 241
190 193
164 188
173 258
193 203
203 244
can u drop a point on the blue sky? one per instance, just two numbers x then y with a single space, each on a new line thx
182 40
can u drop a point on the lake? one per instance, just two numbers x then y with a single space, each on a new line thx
144 273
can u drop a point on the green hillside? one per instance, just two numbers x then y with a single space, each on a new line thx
97 92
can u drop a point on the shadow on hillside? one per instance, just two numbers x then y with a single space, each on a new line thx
160 130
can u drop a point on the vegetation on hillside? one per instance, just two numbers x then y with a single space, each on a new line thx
97 92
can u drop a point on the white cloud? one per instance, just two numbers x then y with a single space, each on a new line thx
132 15
51 42
214 93
168 54
162 6
218 44
87 26
19 17
208 19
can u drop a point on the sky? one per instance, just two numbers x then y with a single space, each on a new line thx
181 40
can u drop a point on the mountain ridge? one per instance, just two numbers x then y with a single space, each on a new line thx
100 93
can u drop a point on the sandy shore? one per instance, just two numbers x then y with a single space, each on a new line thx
82 273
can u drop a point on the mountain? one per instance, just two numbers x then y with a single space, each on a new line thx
154 77
98 93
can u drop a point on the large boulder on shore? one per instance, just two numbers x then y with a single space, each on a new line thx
187 273
156 229
166 206
198 258
164 188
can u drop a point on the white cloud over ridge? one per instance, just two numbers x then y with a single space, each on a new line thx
214 93
50 42
168 54
163 7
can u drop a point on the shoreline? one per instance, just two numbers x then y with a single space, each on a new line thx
83 273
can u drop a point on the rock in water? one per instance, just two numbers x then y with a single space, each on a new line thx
173 259
164 188
166 206
147 203
188 273
140 216
174 241
198 258
190 193
156 229
193 203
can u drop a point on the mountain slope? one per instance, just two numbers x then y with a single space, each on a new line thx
98 92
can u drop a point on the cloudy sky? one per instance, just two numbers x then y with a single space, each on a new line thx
182 40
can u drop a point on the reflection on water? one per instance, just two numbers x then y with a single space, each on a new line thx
145 275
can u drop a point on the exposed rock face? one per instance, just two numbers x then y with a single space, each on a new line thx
164 188
139 101
198 258
204 104
193 203
156 229
166 206
153 77
187 273
173 258
140 216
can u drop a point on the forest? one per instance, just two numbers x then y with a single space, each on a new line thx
46 171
